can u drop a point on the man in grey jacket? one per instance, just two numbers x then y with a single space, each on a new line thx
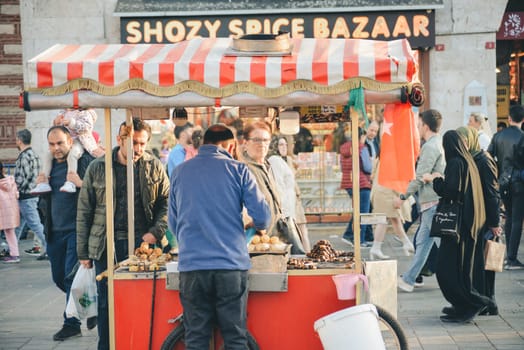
431 160
151 188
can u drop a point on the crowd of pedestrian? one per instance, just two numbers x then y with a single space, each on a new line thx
179 196
70 222
484 172
486 179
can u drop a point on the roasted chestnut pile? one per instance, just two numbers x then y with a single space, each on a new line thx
323 251
322 256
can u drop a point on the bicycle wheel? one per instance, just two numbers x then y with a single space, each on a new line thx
392 333
175 340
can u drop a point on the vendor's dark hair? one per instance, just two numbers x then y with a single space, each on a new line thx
179 113
218 133
24 135
432 118
1 170
516 112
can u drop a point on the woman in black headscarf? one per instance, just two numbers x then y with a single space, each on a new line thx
461 182
483 280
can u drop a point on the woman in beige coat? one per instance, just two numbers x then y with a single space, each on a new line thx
9 214
256 148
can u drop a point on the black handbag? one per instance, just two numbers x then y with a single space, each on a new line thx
446 219
506 179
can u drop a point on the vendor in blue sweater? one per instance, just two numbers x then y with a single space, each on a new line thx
207 196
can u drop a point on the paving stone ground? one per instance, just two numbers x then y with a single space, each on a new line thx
31 307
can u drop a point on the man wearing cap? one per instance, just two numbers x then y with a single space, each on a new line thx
207 196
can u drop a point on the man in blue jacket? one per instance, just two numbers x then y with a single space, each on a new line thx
207 196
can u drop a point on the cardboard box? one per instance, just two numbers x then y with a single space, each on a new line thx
269 262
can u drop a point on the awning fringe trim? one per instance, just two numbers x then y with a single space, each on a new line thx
214 92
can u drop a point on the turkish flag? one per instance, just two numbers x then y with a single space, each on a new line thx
399 147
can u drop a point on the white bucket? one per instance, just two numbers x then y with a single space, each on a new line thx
356 328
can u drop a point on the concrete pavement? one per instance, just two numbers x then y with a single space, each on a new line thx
31 307
419 311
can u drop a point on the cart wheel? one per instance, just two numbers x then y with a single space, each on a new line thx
392 332
175 340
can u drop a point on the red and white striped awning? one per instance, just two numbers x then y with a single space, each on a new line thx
204 70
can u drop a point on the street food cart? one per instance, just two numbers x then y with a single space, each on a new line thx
283 305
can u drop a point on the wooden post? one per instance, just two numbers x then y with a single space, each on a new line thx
130 187
355 157
110 228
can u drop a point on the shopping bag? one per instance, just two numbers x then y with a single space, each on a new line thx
82 301
446 219
494 255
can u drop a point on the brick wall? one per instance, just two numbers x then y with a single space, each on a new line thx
11 78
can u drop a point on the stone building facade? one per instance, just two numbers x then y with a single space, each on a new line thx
464 53
11 77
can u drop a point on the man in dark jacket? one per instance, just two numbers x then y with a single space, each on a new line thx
502 149
60 219
151 190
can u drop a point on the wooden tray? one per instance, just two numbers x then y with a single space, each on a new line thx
287 250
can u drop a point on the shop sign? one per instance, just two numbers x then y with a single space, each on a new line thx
322 114
502 101
150 113
475 99
417 26
253 112
512 26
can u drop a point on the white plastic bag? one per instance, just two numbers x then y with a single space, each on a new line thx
82 301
